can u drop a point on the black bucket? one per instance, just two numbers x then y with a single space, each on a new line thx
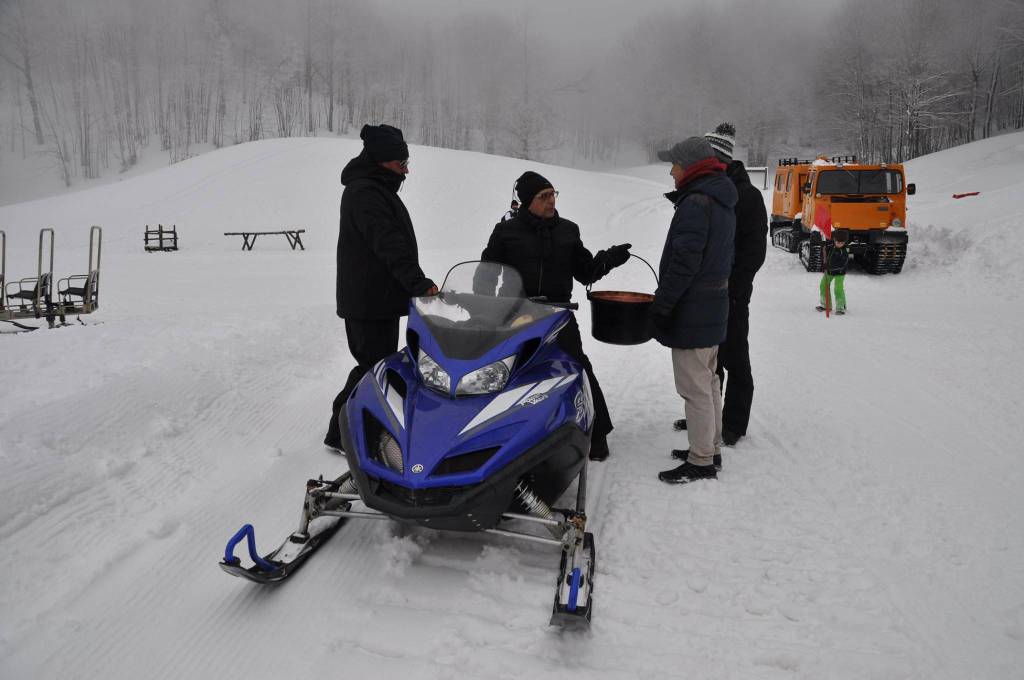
619 317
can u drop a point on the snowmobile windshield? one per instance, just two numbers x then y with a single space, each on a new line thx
833 182
481 304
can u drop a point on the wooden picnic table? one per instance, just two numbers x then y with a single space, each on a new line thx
249 237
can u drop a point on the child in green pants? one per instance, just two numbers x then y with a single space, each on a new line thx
837 256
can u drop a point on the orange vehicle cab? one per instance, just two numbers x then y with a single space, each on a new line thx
868 200
787 197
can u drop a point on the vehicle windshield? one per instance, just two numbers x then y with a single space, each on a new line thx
842 181
481 304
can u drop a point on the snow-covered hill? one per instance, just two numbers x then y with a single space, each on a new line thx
870 525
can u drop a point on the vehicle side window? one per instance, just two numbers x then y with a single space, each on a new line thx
789 179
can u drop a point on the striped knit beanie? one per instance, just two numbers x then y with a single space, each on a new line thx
722 140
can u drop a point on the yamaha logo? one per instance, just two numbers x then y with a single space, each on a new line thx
534 399
417 468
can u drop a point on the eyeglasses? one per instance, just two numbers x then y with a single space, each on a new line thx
404 164
547 195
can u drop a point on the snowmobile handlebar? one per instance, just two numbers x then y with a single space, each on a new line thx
562 305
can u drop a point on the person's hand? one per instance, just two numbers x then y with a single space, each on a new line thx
430 291
617 255
740 291
660 318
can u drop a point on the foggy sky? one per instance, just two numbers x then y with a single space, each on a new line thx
519 77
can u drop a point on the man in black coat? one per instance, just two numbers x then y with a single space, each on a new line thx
547 251
751 246
690 311
378 261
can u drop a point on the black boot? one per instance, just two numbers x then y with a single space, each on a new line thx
599 448
679 424
683 454
730 438
333 438
688 472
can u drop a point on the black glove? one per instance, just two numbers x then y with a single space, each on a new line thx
660 318
740 290
609 259
617 255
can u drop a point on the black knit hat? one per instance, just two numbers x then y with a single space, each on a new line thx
384 143
529 185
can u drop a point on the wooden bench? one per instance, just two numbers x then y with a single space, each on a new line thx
249 237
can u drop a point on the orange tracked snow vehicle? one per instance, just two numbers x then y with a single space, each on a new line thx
869 200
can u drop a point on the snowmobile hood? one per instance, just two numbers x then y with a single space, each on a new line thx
447 441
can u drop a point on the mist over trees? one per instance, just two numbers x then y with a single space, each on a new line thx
93 83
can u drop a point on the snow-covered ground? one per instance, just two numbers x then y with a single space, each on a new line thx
870 525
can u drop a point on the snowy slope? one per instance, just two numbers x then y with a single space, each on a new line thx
870 525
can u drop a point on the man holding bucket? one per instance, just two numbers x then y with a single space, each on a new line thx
691 305
547 251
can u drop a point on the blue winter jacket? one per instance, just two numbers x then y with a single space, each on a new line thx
693 288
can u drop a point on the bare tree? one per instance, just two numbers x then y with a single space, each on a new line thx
16 48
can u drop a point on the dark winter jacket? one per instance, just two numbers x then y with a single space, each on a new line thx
378 261
693 280
548 254
751 235
836 259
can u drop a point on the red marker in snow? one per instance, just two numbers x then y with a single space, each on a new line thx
969 193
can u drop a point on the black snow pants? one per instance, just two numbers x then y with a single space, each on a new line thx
571 343
734 363
369 341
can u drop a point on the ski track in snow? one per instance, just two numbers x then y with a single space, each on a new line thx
867 527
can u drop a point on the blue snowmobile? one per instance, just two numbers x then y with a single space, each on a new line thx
481 423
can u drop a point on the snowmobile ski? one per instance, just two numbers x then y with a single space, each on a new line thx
575 587
324 511
281 563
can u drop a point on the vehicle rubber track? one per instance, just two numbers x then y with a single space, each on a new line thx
811 256
885 258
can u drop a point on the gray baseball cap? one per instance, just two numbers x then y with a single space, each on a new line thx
688 152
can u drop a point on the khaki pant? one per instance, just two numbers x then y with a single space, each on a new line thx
697 384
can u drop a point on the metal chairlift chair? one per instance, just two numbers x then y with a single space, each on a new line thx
84 298
31 297
3 271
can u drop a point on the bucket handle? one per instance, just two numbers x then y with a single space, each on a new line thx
589 285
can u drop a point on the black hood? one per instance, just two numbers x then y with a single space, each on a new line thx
737 173
531 220
364 167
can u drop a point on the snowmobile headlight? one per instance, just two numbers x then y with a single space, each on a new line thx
490 378
433 375
390 452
